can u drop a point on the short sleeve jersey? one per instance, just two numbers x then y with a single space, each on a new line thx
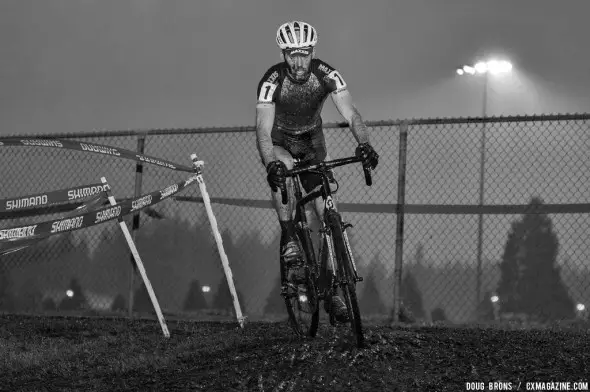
298 104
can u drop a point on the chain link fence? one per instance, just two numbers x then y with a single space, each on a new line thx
467 220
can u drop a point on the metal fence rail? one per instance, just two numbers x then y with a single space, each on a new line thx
460 211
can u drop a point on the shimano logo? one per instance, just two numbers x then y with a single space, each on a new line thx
107 214
99 149
168 191
42 143
85 192
67 224
155 161
141 202
19 232
26 202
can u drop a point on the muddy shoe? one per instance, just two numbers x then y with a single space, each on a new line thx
336 305
297 273
291 255
290 251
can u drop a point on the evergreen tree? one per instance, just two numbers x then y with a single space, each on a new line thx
370 301
48 304
530 281
275 303
485 310
77 300
6 302
195 300
119 304
438 314
141 300
411 296
223 300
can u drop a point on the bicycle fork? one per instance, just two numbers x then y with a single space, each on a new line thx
328 249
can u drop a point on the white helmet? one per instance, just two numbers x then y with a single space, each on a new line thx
296 34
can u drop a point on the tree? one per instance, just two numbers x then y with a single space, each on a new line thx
275 303
141 300
530 280
195 300
6 301
48 304
438 314
76 299
223 300
370 300
411 296
119 304
485 309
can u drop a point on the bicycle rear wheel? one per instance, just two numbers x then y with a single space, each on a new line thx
301 299
348 278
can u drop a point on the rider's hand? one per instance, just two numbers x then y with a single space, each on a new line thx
368 154
276 175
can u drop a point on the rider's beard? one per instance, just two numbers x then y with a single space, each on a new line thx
299 73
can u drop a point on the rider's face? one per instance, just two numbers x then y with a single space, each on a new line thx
299 62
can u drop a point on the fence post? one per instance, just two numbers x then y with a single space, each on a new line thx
399 232
135 225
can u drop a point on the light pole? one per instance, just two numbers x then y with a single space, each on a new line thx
484 68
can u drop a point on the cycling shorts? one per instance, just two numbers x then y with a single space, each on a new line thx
308 148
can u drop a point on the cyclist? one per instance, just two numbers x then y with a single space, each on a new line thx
290 96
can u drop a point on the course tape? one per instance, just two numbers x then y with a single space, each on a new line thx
455 209
81 220
94 148
14 246
43 200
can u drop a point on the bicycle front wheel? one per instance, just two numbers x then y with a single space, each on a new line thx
301 301
347 278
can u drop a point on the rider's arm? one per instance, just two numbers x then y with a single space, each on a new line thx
265 115
343 102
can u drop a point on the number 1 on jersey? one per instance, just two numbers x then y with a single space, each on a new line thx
266 92
336 77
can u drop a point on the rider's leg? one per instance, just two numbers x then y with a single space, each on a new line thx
289 245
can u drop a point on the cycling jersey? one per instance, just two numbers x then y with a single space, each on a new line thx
298 104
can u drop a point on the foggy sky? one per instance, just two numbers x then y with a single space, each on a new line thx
77 66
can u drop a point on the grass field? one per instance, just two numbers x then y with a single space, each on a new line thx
115 354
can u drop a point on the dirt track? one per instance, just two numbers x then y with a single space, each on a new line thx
39 354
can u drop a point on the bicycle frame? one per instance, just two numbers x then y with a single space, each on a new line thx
331 216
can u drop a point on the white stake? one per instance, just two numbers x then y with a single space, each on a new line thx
140 266
224 261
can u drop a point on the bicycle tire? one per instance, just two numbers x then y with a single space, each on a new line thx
347 271
304 313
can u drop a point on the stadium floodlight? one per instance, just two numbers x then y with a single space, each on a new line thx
483 68
70 293
469 69
486 67
206 289
495 298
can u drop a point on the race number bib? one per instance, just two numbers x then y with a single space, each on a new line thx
266 92
340 83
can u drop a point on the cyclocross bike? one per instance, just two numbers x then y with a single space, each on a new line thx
302 298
